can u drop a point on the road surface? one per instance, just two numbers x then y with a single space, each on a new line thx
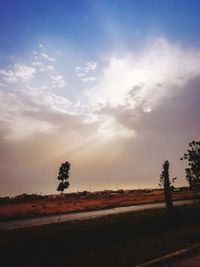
9 225
192 260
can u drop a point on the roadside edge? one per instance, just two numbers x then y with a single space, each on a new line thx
170 257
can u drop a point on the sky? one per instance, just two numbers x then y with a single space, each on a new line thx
111 86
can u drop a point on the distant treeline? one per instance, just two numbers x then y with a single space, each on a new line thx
83 194
22 198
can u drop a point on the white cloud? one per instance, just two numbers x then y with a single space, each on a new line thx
85 71
51 68
135 81
58 81
24 127
38 55
109 129
24 72
44 55
13 117
43 97
77 69
19 71
8 76
90 66
139 82
31 111
88 79
80 74
143 78
37 64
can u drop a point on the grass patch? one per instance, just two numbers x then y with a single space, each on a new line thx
116 240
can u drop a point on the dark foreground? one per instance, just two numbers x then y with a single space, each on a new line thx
117 240
191 260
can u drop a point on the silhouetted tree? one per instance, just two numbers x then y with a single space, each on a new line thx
166 182
193 158
63 176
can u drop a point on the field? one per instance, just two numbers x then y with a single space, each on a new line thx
122 240
92 202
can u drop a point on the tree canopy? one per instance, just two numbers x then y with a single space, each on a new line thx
63 176
193 158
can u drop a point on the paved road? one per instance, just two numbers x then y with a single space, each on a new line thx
9 225
192 260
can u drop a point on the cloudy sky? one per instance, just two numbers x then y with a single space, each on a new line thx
111 86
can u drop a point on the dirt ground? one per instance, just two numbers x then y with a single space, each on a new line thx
92 202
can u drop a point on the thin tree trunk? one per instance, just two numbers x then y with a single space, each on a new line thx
59 219
168 194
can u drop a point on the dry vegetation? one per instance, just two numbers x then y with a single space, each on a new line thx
69 204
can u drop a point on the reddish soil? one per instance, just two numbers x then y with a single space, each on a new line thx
53 206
